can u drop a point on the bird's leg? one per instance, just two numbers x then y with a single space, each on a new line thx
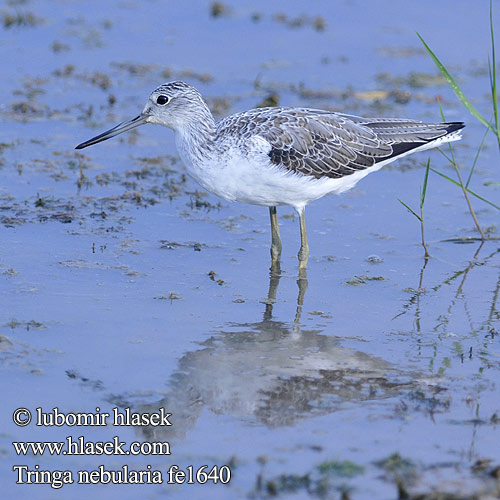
302 284
304 246
275 237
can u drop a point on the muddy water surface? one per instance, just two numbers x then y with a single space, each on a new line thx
124 285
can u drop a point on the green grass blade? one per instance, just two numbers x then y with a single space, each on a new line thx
445 155
455 87
450 146
476 158
493 71
424 188
443 119
409 209
441 112
490 73
467 189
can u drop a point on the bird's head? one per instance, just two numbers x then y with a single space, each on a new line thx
172 104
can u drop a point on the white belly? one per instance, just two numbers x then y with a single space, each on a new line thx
259 183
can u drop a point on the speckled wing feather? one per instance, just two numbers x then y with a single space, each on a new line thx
326 144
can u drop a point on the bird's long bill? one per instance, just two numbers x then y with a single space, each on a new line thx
121 127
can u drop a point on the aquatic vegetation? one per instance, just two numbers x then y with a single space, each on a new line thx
212 275
420 216
219 9
28 325
58 46
495 126
361 280
490 126
273 99
317 22
20 19
171 296
328 477
340 469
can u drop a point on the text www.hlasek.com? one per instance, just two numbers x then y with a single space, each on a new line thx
82 447
23 417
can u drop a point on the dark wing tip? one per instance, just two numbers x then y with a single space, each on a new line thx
453 126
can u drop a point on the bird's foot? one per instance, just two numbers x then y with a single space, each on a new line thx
303 257
275 254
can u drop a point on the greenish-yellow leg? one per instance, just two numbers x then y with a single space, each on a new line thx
275 236
304 246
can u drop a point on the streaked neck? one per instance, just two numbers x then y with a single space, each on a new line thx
195 137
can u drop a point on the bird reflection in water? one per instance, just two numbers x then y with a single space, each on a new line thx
272 373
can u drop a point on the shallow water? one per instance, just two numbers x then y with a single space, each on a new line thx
124 285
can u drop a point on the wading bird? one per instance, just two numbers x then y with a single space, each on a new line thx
280 156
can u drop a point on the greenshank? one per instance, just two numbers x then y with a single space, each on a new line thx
280 156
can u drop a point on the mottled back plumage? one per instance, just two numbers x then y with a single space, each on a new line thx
326 144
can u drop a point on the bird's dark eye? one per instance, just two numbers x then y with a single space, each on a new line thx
162 99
